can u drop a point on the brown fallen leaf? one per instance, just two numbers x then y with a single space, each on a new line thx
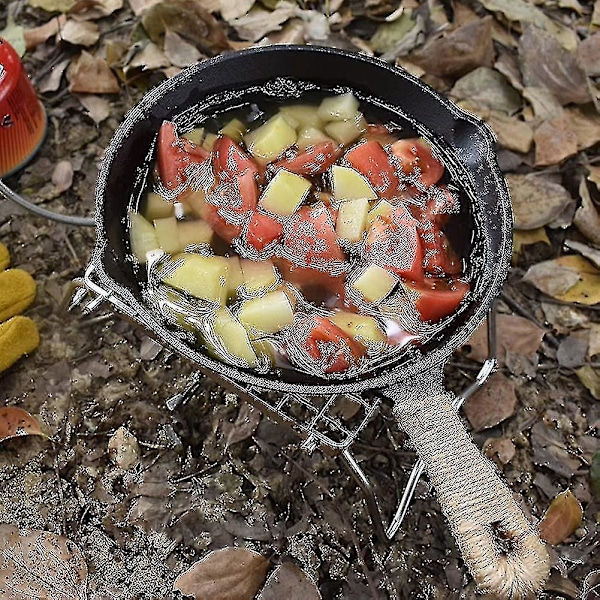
536 200
97 108
227 574
545 63
16 422
259 22
587 217
38 35
486 88
289 581
39 565
94 9
588 53
52 82
59 6
512 133
587 289
561 519
544 105
585 122
62 176
527 237
594 340
515 335
244 426
554 141
552 278
563 317
80 33
179 52
457 52
590 378
491 404
233 10
91 75
550 451
501 448
572 350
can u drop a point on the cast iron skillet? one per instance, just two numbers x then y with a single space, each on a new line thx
478 506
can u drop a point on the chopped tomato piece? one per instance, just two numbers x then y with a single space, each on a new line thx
439 258
175 155
415 158
229 160
330 346
223 227
437 209
393 243
372 161
309 240
315 285
313 161
436 298
263 230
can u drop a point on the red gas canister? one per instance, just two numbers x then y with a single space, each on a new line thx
22 116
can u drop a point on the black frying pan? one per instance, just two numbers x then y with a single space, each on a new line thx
479 507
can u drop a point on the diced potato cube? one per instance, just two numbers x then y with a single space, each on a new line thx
338 108
193 202
305 115
231 337
259 276
142 236
204 277
309 136
374 283
195 136
362 328
269 313
349 184
269 140
209 141
382 208
235 277
194 232
352 219
284 193
168 234
157 207
235 129
347 131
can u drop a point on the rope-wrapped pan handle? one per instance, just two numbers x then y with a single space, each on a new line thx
498 544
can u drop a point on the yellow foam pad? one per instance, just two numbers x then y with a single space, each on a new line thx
17 291
18 336
4 257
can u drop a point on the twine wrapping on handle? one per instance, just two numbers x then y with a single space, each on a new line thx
497 542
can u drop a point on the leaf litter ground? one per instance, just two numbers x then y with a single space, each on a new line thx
127 495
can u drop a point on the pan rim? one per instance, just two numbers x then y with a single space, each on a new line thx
398 372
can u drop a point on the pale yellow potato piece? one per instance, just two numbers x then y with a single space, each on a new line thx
304 115
209 141
157 207
268 313
352 219
269 140
349 184
309 136
284 193
382 208
232 337
374 283
196 136
168 234
259 276
204 277
338 108
194 232
142 236
235 129
235 277
194 201
362 328
345 132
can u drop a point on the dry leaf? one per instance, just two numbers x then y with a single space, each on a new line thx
149 57
62 176
38 35
60 6
94 9
123 449
587 217
259 22
587 289
594 175
227 574
97 108
90 75
545 64
549 450
179 52
572 350
188 19
502 448
512 133
515 335
525 12
594 340
232 10
554 141
491 404
544 105
16 422
564 317
562 518
588 53
551 277
139 6
527 237
289 581
585 122
80 33
590 379
39 565
458 52
487 88
536 200
244 426
389 36
52 82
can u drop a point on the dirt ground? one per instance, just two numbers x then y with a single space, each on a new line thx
211 473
